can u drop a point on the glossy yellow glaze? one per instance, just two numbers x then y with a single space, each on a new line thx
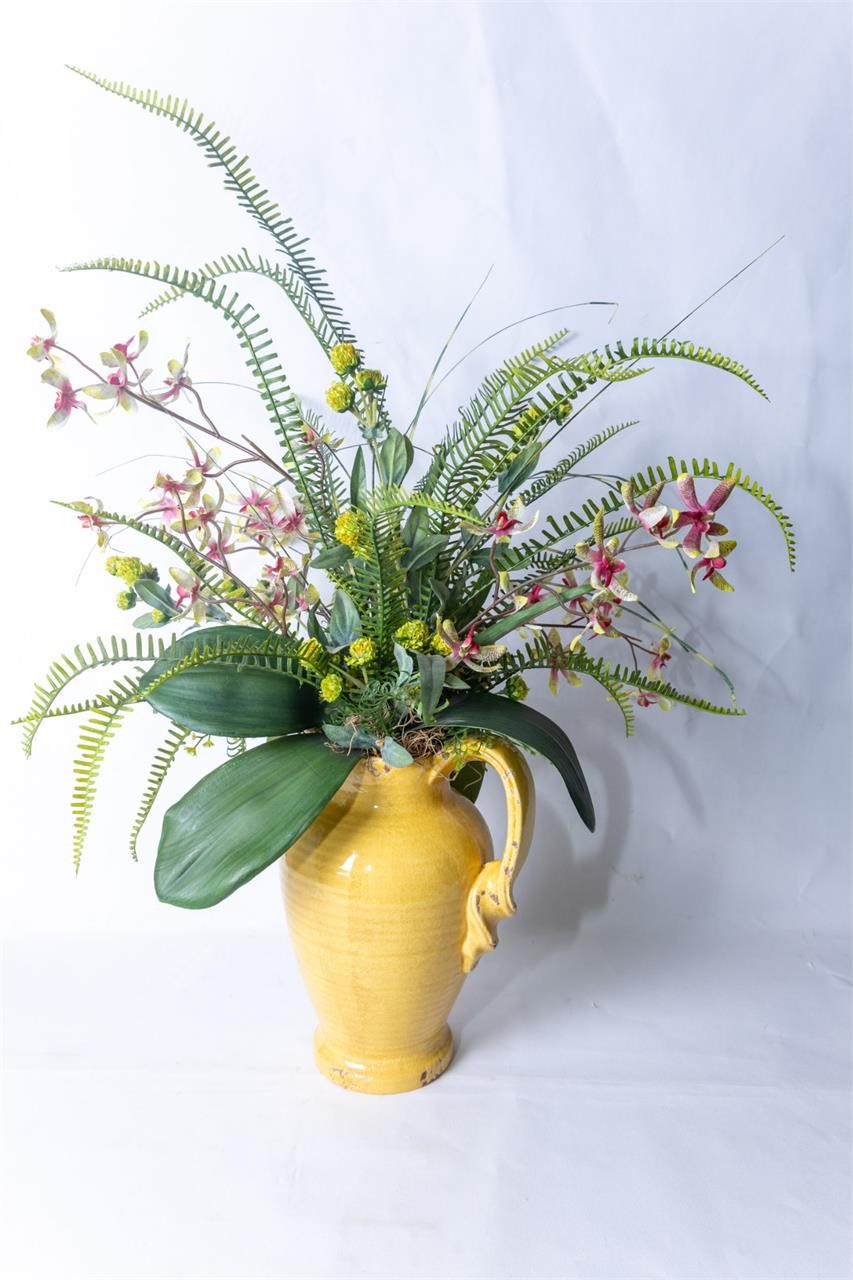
392 895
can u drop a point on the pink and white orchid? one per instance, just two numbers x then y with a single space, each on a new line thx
178 380
608 571
698 517
714 559
478 657
40 348
654 517
66 396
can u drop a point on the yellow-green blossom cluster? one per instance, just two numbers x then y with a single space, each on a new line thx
344 358
361 652
126 599
517 689
128 568
413 635
351 528
340 397
331 687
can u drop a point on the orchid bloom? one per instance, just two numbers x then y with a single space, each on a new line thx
190 594
608 572
699 516
66 396
205 514
468 651
660 658
508 523
558 665
91 519
169 507
221 544
114 387
712 561
654 517
533 596
199 472
177 381
41 348
645 698
289 524
120 353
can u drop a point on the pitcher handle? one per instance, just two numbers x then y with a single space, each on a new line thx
490 898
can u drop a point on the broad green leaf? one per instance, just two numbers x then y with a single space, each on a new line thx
242 816
432 669
344 622
227 697
508 719
332 557
424 551
358 480
395 456
521 617
469 780
416 526
521 468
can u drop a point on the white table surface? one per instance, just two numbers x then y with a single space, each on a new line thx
622 1105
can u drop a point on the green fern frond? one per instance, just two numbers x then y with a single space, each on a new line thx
605 362
221 153
546 480
164 758
283 650
95 736
86 657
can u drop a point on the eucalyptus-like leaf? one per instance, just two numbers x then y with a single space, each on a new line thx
154 595
344 621
395 754
349 737
404 660
358 480
396 454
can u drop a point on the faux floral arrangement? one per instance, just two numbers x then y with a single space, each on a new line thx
326 594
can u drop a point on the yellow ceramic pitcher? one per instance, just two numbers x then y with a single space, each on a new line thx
392 895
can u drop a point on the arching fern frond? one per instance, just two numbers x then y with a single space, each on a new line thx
86 657
95 736
546 480
164 758
605 362
618 680
221 153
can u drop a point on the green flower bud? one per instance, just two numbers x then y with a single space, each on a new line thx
370 380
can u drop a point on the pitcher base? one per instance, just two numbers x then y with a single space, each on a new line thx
394 1073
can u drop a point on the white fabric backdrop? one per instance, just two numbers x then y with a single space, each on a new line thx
654 1067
